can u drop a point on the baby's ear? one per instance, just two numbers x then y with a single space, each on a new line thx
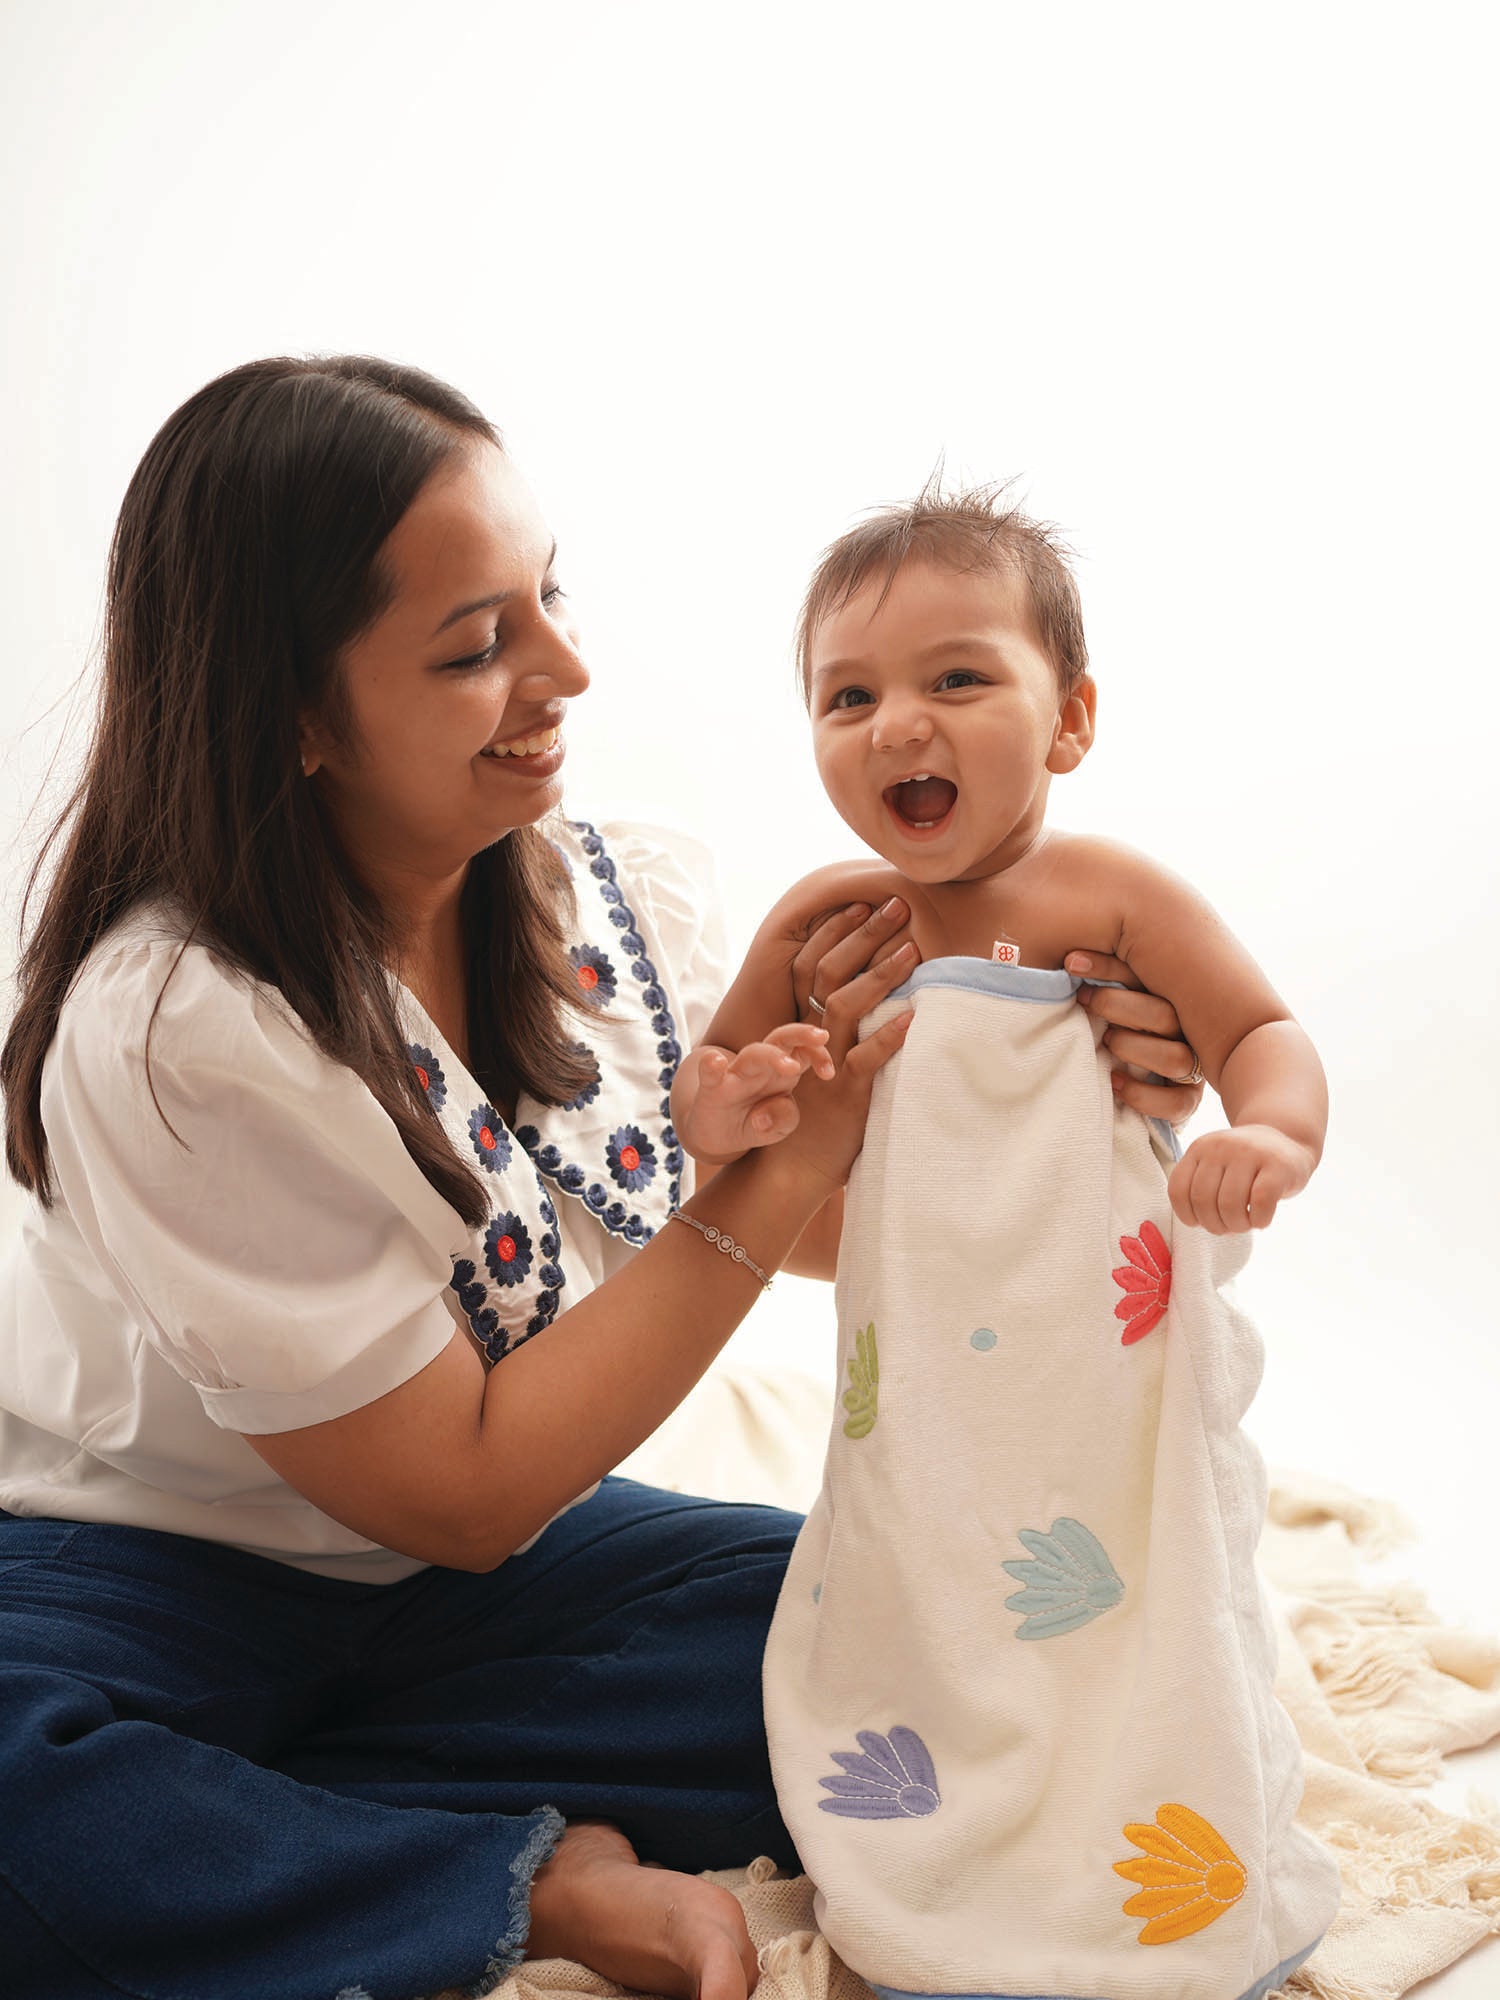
1075 728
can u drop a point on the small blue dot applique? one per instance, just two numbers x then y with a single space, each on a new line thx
982 1339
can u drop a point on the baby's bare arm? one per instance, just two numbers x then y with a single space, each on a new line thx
824 930
725 1101
1262 1064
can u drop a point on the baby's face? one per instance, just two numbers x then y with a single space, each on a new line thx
933 719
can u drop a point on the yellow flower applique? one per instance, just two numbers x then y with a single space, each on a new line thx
1188 1874
861 1398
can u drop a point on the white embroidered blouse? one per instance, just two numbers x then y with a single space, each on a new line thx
289 1262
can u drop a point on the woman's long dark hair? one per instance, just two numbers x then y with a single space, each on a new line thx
245 559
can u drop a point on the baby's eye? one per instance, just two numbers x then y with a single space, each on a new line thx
959 677
850 698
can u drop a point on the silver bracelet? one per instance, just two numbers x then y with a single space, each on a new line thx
722 1243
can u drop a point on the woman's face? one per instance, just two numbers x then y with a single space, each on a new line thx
457 692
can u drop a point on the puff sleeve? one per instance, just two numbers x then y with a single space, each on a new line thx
282 1251
679 885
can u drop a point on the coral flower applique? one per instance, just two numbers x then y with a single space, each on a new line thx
1189 1875
631 1157
489 1138
429 1074
1146 1281
597 980
507 1249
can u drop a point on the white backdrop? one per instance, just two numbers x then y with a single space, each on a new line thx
1214 283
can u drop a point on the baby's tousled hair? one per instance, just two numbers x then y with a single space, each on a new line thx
968 528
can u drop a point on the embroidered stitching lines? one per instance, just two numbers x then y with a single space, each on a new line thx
1189 1873
889 1777
1069 1581
861 1398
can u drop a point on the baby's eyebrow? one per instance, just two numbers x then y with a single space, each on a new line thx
970 643
958 643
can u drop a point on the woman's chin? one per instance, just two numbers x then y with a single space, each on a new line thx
523 805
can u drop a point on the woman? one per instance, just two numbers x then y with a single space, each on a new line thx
338 1077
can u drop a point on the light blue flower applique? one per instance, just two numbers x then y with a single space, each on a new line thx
889 1777
1070 1581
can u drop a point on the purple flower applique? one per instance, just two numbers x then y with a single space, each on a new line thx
889 1777
632 1158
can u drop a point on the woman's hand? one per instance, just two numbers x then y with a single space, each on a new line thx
845 944
1144 1035
831 1113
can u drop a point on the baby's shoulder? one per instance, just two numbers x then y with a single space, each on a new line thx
836 885
1094 864
1102 889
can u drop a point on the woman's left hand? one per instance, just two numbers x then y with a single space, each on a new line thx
1144 1033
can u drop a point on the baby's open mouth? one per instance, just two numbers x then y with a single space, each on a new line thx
921 802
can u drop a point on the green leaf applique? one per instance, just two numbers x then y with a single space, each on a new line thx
864 1383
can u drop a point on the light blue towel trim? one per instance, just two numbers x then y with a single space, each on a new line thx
1046 986
1258 1991
983 975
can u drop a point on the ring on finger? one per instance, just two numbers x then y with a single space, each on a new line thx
816 1005
1194 1076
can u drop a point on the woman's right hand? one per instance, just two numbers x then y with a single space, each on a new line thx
848 966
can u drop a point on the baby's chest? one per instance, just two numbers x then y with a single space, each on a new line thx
1036 930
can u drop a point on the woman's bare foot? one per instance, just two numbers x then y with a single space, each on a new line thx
645 1927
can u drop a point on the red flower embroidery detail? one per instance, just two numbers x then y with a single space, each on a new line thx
1146 1281
588 978
630 1159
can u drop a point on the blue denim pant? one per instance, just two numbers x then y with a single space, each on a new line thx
224 1779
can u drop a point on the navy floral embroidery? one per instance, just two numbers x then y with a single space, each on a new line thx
507 1249
668 1049
497 1339
596 976
429 1074
589 1091
595 1196
551 1272
482 1317
489 1138
632 1158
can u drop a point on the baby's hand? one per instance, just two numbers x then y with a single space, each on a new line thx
1228 1182
746 1100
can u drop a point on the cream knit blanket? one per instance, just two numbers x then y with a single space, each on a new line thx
1377 1689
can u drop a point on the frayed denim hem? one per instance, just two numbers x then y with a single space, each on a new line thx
509 1950
545 1835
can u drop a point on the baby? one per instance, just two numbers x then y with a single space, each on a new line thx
1038 1437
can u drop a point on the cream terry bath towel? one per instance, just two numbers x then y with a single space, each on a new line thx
1019 1687
1376 1686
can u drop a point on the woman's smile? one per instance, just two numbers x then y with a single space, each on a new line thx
469 669
535 756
